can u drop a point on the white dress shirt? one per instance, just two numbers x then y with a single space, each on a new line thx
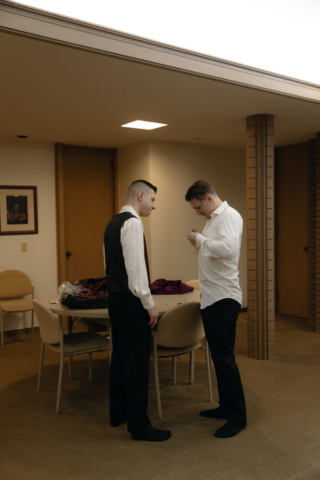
218 256
132 241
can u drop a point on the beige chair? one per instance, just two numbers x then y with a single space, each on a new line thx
179 331
13 286
67 345
194 283
93 326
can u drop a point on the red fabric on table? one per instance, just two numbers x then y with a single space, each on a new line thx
169 287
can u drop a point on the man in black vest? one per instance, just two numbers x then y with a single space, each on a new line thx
132 313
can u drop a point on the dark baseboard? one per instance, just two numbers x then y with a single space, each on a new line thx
21 330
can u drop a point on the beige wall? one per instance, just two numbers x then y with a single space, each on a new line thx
26 163
173 168
134 164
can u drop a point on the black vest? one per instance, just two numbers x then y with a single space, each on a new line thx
116 274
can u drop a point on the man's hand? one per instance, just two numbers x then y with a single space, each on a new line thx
153 314
192 236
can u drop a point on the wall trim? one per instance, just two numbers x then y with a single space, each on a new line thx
50 27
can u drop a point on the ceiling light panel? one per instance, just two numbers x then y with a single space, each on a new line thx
144 125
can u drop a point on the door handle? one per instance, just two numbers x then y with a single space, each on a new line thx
306 249
68 254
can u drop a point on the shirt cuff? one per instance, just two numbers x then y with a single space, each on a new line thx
195 249
200 239
147 301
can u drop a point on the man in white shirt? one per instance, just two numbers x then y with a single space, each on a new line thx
132 313
218 249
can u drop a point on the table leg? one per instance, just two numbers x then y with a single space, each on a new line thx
70 325
174 370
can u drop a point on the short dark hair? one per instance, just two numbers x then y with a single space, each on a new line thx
138 185
199 190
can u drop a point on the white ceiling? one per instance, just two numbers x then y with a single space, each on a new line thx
55 93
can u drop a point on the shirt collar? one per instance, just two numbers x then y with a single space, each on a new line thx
128 208
220 209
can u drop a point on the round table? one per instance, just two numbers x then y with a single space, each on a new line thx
163 303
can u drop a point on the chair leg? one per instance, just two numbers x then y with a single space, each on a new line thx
208 371
174 370
156 373
1 326
90 367
40 366
60 382
70 324
191 367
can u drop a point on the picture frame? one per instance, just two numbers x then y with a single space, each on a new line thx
18 210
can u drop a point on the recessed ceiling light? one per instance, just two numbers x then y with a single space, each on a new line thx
22 136
144 125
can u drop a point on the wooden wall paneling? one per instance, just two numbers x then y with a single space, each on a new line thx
60 214
314 233
260 226
60 222
292 230
116 188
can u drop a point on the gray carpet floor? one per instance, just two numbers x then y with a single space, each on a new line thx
281 441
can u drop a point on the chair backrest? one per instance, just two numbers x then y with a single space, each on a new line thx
194 283
50 329
14 284
181 326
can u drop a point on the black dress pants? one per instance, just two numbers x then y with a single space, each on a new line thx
219 321
129 372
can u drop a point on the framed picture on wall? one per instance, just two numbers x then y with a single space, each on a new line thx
18 210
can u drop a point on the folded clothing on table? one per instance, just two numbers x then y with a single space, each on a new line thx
169 287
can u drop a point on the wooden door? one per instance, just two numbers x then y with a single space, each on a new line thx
292 230
86 200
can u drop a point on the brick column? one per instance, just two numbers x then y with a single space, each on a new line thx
314 232
260 227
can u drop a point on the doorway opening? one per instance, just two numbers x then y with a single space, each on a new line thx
291 248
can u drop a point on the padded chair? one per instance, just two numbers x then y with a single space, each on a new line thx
13 286
194 283
93 326
66 345
179 331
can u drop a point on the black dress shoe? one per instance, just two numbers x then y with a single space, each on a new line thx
229 429
151 434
